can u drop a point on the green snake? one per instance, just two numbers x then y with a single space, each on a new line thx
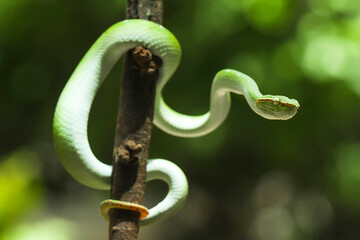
73 107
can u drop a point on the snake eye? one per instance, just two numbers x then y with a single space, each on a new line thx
276 101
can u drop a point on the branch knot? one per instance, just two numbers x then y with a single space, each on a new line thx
128 152
145 60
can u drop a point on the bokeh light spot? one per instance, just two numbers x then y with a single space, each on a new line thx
266 15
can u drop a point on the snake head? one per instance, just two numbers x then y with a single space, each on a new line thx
275 107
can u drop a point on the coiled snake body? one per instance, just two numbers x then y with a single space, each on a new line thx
73 107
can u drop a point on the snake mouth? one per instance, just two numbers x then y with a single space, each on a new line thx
276 102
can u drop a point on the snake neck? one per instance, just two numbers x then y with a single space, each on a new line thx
231 81
225 82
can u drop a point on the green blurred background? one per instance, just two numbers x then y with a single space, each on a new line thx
251 178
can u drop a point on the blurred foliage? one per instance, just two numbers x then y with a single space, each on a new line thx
56 229
251 178
19 184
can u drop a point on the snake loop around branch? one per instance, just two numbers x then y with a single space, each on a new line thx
73 107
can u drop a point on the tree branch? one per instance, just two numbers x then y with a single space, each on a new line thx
134 124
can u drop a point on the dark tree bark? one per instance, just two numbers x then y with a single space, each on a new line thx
134 124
